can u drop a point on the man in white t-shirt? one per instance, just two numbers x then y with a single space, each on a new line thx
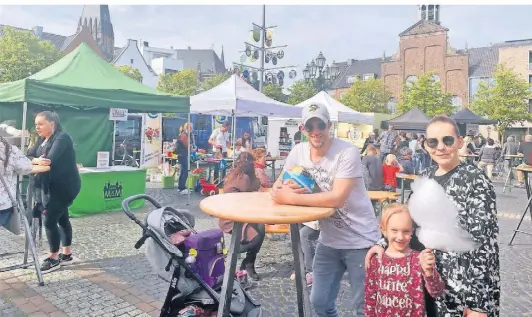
345 236
219 140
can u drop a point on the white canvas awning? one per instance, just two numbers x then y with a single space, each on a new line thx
236 97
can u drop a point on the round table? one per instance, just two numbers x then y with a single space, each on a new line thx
526 170
258 207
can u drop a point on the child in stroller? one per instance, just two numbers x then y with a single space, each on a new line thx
194 267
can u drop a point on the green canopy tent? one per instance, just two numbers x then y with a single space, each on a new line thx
81 87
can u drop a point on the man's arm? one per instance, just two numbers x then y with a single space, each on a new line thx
213 135
482 275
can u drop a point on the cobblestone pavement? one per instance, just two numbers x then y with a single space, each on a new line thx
112 278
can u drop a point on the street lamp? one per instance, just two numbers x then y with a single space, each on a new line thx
319 73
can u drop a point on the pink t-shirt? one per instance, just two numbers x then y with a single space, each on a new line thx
395 287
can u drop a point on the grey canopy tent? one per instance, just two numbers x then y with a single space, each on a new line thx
414 119
466 116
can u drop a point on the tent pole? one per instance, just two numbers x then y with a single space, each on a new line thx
24 124
234 135
188 157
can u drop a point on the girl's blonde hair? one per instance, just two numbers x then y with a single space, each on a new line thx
390 158
259 153
238 142
185 127
389 211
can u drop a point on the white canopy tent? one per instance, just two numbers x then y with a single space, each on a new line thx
235 97
337 110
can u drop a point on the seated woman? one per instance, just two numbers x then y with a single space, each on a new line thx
242 179
260 168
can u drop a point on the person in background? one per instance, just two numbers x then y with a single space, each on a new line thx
425 158
416 153
247 142
13 163
219 140
488 156
369 140
373 164
404 141
239 148
466 149
182 148
241 179
298 136
388 142
390 167
60 186
509 148
405 160
260 168
525 149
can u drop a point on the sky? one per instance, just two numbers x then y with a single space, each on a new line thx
340 32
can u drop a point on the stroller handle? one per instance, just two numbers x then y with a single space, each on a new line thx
127 209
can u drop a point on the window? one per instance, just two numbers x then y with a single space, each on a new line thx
530 60
457 103
436 78
369 76
352 79
474 84
530 81
131 61
392 105
410 80
169 71
529 105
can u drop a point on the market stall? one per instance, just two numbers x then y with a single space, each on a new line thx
414 120
236 98
469 123
84 90
281 131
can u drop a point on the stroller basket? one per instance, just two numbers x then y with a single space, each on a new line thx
186 286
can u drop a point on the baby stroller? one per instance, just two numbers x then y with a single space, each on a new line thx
195 281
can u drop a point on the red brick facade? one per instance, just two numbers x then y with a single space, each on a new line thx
424 48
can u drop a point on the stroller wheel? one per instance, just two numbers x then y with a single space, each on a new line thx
202 192
213 192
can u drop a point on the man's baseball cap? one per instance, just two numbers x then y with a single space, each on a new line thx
315 110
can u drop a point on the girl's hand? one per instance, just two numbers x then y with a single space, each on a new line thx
427 261
375 250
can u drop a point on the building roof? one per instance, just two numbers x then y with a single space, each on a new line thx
483 61
357 67
59 41
207 59
423 27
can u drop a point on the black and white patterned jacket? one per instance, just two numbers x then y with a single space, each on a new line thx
472 279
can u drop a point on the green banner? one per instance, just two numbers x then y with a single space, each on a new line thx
103 191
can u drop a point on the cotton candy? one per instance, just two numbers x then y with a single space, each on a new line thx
436 216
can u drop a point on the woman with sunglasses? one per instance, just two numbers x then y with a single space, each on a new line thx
472 279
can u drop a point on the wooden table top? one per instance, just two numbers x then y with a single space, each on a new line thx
405 176
37 169
258 207
382 195
469 155
273 158
514 156
524 169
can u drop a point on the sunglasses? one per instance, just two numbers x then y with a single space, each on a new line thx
311 127
448 141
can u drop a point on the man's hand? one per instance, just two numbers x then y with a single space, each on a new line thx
375 250
282 193
427 261
471 313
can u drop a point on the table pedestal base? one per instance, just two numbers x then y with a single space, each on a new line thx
303 301
528 208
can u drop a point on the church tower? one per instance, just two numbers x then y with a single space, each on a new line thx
98 21
429 13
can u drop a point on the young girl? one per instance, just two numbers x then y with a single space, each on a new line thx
260 168
394 287
390 167
238 148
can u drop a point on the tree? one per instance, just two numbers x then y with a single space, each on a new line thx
426 94
504 100
214 81
300 91
130 72
23 54
367 96
183 83
275 92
